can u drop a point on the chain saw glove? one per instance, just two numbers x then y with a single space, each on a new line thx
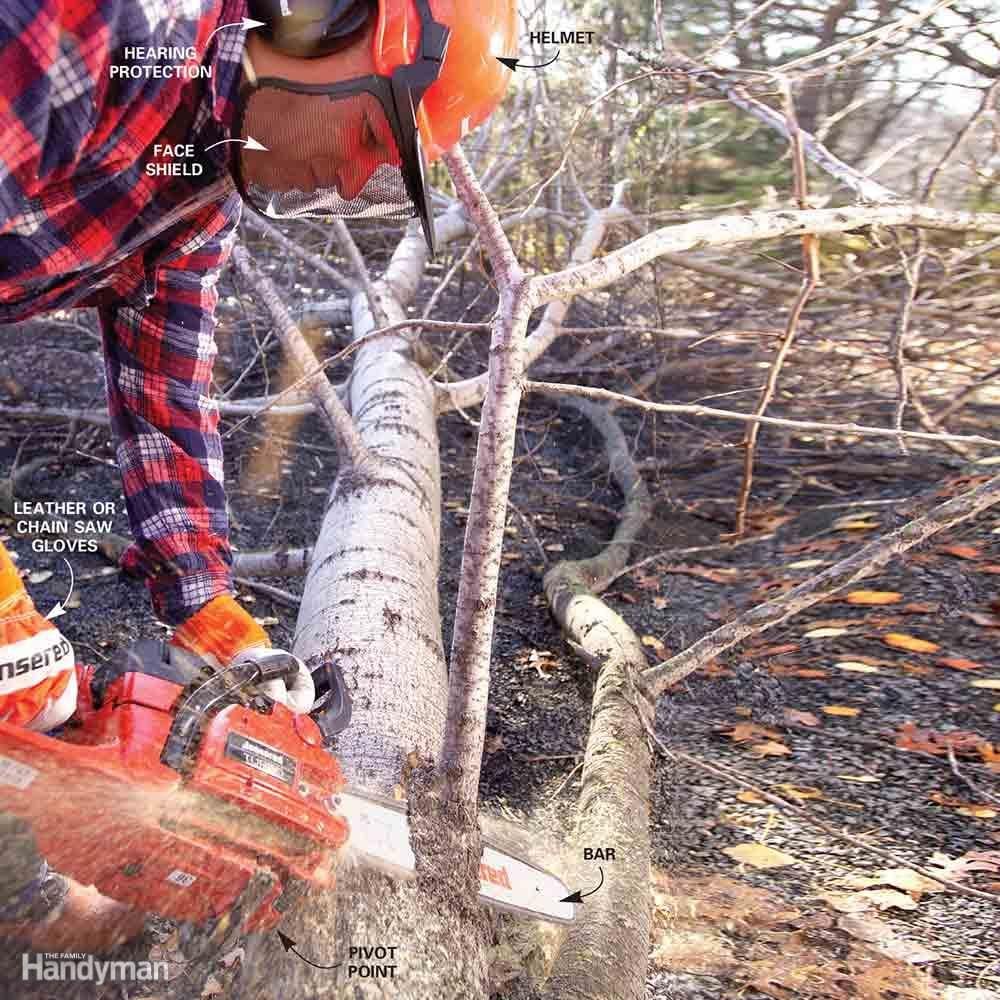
222 634
37 667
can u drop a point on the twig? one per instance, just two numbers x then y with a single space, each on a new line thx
275 593
810 279
973 787
698 410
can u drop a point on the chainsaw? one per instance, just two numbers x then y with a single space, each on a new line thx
190 793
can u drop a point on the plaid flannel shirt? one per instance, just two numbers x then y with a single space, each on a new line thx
82 223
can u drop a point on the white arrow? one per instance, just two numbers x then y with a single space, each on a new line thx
247 22
251 143
59 609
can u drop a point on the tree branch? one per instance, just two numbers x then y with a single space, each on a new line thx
869 559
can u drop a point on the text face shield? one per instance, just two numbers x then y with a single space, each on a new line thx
329 153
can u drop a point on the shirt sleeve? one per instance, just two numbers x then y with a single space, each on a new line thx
59 107
159 368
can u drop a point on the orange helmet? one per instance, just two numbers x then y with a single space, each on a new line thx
358 147
472 81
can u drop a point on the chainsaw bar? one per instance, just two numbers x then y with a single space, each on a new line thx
380 836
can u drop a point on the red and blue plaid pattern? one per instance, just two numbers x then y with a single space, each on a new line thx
82 223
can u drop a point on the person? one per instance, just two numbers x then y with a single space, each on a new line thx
133 135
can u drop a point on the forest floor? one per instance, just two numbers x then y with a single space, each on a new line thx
879 720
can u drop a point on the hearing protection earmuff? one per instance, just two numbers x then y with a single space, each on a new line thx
311 29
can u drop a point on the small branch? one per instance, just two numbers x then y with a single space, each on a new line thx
275 593
810 279
26 411
869 559
280 562
313 260
698 410
349 443
469 392
492 237
598 571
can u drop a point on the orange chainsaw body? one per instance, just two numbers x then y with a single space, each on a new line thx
257 798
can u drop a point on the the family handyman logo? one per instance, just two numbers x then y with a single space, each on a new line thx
70 967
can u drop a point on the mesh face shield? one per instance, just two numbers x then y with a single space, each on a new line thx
349 149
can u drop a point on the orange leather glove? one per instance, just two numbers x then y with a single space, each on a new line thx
37 666
222 633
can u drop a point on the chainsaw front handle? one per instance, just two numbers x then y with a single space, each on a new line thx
282 677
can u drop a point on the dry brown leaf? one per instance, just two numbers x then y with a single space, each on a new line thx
888 899
751 798
770 748
905 879
799 792
971 861
847 902
900 640
660 603
749 730
881 935
977 812
843 710
795 715
704 573
921 608
874 597
759 856
961 551
857 667
958 663
990 683
656 645
853 522
811 672
913 737
787 647
974 809
824 633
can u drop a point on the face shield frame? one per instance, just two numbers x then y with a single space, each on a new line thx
399 96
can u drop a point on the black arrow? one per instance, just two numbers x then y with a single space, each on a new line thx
290 946
577 897
514 63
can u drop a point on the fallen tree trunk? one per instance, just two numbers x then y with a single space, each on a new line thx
371 603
